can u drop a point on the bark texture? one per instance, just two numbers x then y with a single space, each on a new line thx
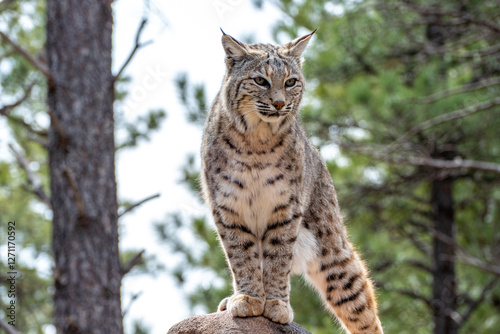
444 300
82 167
225 323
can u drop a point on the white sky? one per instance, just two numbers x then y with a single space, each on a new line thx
188 42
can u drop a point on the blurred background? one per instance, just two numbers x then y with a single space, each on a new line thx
402 100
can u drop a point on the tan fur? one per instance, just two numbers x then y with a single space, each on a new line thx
272 198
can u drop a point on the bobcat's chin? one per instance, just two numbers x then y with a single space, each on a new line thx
272 116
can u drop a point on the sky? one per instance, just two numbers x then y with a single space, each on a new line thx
185 37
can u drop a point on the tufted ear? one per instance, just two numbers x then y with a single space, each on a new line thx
233 48
297 46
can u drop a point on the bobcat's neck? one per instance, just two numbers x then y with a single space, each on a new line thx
258 138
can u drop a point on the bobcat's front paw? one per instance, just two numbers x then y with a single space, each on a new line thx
243 306
223 305
278 311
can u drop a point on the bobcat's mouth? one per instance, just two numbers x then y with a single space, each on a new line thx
272 116
272 113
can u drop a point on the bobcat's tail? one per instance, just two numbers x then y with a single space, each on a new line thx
341 278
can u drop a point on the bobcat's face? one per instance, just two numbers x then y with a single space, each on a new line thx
263 82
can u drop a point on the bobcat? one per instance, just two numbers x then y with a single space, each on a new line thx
271 195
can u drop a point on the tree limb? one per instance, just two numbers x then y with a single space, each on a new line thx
459 90
474 304
415 295
132 300
20 121
425 11
42 67
448 164
33 179
419 264
137 46
383 154
462 256
76 194
445 118
132 263
8 328
5 110
133 206
58 128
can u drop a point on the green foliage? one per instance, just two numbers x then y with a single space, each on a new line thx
141 128
193 97
17 202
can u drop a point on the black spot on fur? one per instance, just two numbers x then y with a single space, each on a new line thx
349 283
351 297
248 244
276 241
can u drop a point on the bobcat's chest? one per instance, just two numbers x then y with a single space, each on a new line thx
256 183
253 190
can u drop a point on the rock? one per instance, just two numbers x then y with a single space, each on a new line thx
224 323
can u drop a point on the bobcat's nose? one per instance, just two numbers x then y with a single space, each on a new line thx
278 104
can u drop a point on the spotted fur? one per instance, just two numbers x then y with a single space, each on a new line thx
271 195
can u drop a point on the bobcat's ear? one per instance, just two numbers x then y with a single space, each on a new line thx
297 46
233 48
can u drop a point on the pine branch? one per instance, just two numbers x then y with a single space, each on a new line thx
33 180
419 264
135 205
5 110
137 46
384 154
459 90
58 128
42 67
443 119
462 256
447 164
8 328
133 298
76 194
415 295
476 303
132 263
467 259
466 17
28 127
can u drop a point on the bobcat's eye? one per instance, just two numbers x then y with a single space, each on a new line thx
290 82
261 82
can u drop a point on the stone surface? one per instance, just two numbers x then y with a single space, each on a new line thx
224 323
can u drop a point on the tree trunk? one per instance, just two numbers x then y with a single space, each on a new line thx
82 167
444 281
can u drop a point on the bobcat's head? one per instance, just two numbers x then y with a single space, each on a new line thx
263 82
